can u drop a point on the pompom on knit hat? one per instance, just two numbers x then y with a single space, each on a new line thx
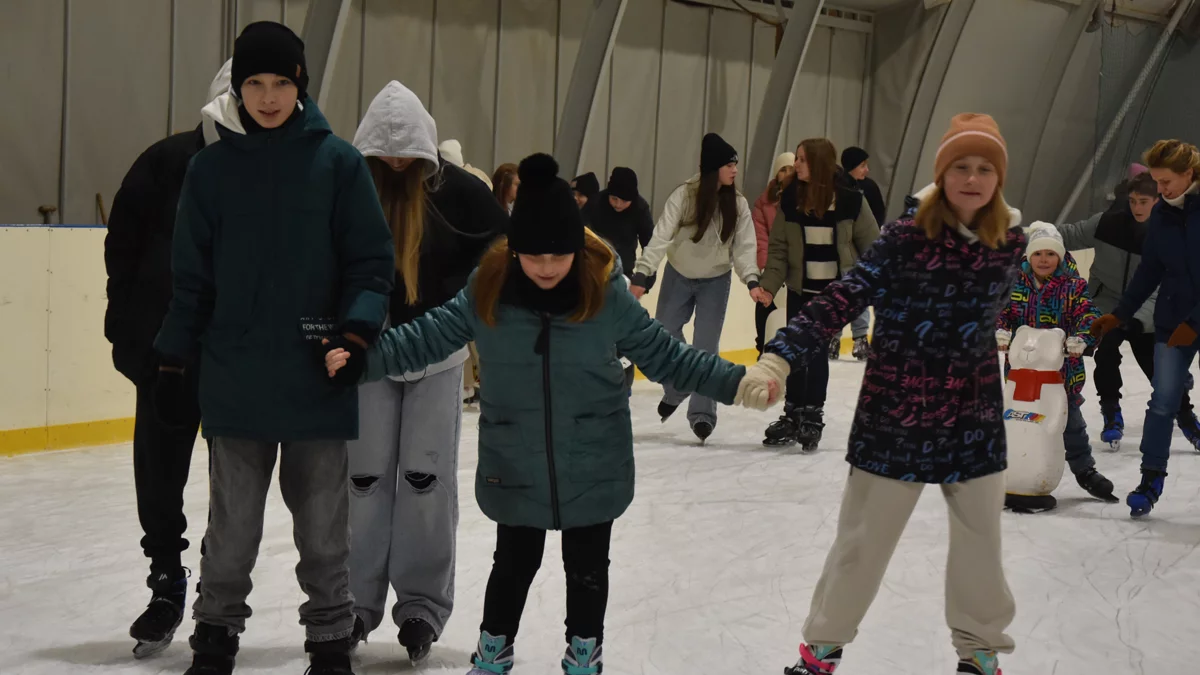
1044 236
971 134
545 219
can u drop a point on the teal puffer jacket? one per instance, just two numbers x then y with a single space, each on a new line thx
279 241
555 439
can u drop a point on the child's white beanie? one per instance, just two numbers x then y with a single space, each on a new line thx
1044 236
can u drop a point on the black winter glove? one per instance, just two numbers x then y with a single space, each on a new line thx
174 400
350 374
1134 327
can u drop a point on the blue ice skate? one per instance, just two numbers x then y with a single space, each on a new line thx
583 657
1142 500
1114 426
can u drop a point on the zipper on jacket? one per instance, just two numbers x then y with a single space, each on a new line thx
542 348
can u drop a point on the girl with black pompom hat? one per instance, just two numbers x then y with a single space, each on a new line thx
548 309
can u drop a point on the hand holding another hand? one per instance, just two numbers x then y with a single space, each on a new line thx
761 296
764 383
345 359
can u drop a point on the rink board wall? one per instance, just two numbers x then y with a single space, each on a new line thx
60 389
494 74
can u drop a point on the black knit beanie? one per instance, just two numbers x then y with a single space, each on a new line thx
623 184
269 47
852 157
587 185
545 219
715 153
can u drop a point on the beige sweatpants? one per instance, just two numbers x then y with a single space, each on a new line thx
471 370
874 512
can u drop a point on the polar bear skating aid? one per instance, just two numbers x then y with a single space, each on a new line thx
1035 415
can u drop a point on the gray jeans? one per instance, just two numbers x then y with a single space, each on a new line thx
404 498
861 325
312 478
708 298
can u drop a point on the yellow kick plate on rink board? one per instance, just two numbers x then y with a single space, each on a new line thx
109 432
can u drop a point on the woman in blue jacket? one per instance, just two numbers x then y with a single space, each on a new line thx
549 309
1170 263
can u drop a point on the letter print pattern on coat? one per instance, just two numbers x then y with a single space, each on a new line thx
931 403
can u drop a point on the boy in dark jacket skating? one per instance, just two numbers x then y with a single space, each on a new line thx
137 256
931 404
280 242
555 448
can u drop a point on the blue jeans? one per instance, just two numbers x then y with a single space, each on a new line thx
1171 366
861 325
1075 440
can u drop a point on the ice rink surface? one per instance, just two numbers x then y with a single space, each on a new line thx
712 571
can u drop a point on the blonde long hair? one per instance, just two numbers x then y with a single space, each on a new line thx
990 224
402 196
1174 155
593 264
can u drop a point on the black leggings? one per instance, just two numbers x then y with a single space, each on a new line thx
1108 365
760 325
517 559
806 385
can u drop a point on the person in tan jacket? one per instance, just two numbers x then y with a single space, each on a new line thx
821 227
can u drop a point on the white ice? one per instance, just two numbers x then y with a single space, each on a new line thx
712 571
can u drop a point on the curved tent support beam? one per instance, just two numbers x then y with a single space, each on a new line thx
904 174
1025 156
324 26
788 59
594 50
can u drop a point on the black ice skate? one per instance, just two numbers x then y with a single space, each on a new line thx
862 349
702 430
417 636
1114 425
1095 484
329 658
1190 427
835 348
213 650
358 634
155 628
808 435
782 432
665 410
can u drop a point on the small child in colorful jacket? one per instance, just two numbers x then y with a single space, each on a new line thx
1049 293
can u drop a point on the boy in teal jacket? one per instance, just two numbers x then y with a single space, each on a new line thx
549 309
280 242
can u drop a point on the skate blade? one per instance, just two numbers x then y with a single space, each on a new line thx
143 650
419 655
786 443
808 448
1114 446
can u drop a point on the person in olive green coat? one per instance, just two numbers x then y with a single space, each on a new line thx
549 309
279 243
821 227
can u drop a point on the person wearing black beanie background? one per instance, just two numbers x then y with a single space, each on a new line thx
585 188
705 230
555 448
280 243
622 218
855 170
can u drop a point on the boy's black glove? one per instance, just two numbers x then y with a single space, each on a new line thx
349 374
174 397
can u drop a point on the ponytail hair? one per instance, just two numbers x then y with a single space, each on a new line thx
1174 155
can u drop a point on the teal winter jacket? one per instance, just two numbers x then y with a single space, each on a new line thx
555 439
279 240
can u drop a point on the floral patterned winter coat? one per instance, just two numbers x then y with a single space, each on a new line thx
931 403
1061 302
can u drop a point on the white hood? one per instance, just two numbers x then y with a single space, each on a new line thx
452 152
397 125
1014 215
222 107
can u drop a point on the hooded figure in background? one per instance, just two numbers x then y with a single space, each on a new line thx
137 256
404 465
451 151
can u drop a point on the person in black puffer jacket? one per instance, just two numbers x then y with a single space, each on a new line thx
403 467
137 256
